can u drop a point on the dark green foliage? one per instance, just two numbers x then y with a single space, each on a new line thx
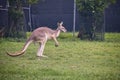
92 6
16 19
92 12
15 28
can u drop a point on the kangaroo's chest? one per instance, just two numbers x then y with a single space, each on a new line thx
50 35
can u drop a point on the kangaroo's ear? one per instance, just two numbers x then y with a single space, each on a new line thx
58 24
61 23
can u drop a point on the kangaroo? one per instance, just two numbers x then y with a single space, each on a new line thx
41 35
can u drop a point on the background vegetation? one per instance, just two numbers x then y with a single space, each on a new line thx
93 15
16 19
72 60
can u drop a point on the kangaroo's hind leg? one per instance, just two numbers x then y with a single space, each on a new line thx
41 49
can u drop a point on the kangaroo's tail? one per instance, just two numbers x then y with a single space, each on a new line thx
22 51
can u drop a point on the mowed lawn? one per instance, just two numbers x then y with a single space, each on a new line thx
72 60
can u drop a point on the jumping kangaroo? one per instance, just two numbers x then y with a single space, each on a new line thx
41 35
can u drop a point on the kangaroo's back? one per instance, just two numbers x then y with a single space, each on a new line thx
41 33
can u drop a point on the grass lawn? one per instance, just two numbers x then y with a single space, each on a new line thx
72 60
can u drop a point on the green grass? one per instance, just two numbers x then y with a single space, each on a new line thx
72 60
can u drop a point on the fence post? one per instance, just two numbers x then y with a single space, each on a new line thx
74 18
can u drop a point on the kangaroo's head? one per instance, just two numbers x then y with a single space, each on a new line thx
61 27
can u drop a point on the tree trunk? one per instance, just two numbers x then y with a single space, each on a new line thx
15 28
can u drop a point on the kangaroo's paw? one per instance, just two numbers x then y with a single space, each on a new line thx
44 56
56 45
